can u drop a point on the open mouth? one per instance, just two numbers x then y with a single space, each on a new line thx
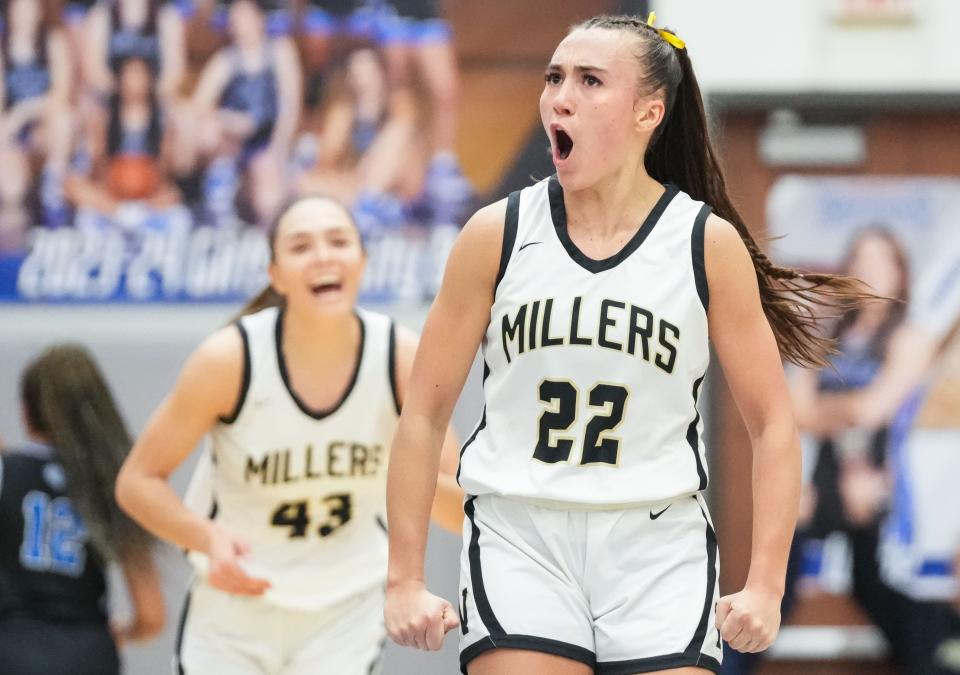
564 143
326 287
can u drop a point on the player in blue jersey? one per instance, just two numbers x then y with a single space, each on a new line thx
60 527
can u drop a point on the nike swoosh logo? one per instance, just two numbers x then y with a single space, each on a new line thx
654 516
528 244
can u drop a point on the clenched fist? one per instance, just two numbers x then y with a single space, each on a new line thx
749 620
416 618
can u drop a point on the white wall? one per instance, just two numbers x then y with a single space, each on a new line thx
772 46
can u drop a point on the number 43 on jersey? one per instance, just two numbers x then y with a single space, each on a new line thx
296 515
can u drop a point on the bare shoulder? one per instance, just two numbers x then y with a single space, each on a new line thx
724 250
731 275
221 353
721 235
478 246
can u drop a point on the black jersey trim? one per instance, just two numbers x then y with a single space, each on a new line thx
655 663
558 213
484 609
510 224
530 643
284 375
392 365
377 663
245 382
480 425
693 436
696 642
696 250
181 628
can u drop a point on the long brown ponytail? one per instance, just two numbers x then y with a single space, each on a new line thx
68 403
682 153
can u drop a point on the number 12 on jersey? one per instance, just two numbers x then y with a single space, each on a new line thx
561 398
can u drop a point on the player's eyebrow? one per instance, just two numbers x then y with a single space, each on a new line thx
578 68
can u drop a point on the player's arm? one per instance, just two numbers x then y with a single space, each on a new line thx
97 39
213 80
60 68
289 96
452 333
173 51
146 596
907 362
933 315
207 389
447 509
747 350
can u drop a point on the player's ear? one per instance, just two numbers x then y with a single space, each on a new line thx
648 114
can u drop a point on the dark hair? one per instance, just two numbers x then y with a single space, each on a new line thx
268 296
115 123
67 401
896 307
681 152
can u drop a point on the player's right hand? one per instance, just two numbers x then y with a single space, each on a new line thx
416 618
226 574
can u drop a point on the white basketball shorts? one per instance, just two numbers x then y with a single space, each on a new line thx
623 591
241 635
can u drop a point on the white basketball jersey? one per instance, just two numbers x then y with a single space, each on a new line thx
307 488
593 368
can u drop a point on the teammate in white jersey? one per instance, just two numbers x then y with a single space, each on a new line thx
588 548
300 398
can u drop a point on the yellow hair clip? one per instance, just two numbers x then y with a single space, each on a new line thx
665 34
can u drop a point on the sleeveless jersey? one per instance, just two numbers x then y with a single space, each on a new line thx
593 368
307 488
47 569
254 93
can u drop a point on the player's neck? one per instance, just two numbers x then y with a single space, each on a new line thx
615 203
318 340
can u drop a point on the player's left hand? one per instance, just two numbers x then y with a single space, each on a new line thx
749 620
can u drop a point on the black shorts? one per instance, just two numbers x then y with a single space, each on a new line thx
38 647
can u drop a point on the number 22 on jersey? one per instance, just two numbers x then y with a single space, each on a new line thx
562 399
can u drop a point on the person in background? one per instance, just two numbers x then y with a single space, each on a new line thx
152 30
416 40
329 28
300 397
60 527
371 153
247 104
917 358
848 488
35 120
132 156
